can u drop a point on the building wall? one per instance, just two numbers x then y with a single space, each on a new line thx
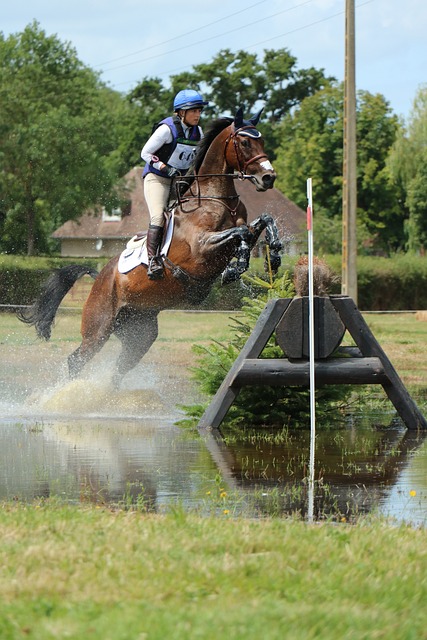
87 248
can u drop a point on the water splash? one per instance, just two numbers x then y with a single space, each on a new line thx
87 397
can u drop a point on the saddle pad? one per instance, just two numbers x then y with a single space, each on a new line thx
131 258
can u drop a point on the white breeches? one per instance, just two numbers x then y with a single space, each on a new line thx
156 193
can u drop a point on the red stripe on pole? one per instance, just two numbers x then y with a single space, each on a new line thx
309 219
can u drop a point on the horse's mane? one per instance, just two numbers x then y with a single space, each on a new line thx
213 129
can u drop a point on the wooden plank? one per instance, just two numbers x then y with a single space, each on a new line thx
292 331
223 399
282 372
221 456
370 347
367 364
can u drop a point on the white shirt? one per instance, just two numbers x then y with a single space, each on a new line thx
162 135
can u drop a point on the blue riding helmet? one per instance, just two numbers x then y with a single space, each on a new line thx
188 99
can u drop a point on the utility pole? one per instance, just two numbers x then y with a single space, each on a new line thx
349 204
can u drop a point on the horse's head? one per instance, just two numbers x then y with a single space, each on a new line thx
244 152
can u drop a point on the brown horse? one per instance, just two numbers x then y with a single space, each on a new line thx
210 238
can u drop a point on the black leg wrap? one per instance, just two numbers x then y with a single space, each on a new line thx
275 262
234 270
230 273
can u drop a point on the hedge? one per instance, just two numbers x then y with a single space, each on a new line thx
21 277
397 283
394 284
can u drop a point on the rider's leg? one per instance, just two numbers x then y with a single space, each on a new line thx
154 240
156 192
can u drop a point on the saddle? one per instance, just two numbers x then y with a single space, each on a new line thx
136 250
137 240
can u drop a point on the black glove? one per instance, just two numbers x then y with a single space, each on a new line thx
171 172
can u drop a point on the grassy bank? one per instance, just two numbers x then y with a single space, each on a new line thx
107 575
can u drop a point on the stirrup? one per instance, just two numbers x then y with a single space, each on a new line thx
155 269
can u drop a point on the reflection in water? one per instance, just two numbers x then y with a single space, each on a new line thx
358 469
152 464
99 461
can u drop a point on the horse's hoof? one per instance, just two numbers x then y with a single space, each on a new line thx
275 262
231 274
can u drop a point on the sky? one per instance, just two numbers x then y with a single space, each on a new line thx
132 39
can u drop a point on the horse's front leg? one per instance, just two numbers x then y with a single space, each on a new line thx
236 267
272 239
237 240
233 237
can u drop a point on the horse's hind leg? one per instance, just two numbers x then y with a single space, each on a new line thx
97 325
83 354
137 330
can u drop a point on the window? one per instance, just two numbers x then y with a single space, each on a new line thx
115 215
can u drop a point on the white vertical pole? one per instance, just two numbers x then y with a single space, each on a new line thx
311 349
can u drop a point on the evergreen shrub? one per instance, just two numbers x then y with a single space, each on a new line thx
261 406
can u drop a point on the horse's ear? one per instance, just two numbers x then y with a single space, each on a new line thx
238 118
255 119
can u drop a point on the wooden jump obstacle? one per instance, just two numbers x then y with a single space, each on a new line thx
334 364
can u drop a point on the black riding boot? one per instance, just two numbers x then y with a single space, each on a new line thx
155 269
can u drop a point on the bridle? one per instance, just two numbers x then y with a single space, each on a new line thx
241 166
241 172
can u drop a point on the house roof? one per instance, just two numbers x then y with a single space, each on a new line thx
289 217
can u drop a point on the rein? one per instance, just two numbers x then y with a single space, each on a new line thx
241 175
199 198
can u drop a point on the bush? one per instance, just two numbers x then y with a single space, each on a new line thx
392 284
21 277
259 406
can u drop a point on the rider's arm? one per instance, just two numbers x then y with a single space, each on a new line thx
161 136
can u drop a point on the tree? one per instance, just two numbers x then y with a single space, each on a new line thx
57 130
378 205
407 164
148 103
416 201
239 79
230 80
312 146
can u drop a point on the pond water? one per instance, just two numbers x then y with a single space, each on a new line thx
82 442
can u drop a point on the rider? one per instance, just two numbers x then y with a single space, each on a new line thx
167 153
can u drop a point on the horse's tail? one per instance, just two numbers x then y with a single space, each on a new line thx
42 312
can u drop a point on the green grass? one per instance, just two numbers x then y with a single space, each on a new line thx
404 339
94 573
